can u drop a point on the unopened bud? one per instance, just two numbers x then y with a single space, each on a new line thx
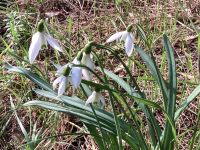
66 71
129 28
88 47
40 26
79 55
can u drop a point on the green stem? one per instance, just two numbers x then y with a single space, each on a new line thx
101 130
113 109
154 128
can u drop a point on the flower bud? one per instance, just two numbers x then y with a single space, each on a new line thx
66 71
97 89
129 28
40 27
79 56
88 47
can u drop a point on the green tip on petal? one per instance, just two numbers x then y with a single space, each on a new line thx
129 28
79 55
88 47
41 26
66 71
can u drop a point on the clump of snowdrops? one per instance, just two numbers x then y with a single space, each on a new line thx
109 130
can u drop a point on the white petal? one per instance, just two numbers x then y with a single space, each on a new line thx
124 36
76 62
90 63
53 42
87 61
132 36
92 98
84 59
62 86
86 75
44 41
76 74
129 45
36 44
114 37
56 81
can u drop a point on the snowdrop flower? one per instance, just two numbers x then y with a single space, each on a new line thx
125 36
95 97
76 72
39 39
63 79
87 61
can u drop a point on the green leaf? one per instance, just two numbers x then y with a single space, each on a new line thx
87 90
122 83
155 73
21 125
70 22
35 78
155 105
92 129
186 103
77 103
168 140
154 127
88 117
95 85
84 115
172 77
142 34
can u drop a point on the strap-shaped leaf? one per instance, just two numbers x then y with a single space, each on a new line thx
184 105
35 78
79 104
154 128
92 129
87 117
122 83
172 77
155 72
21 125
84 115
168 140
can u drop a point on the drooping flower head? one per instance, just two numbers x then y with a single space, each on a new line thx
87 61
125 36
39 39
95 97
76 72
63 79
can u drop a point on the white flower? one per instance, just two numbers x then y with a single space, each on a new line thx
62 80
76 73
38 40
87 61
125 36
95 97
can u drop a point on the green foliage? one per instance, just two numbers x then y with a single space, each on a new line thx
119 124
111 126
